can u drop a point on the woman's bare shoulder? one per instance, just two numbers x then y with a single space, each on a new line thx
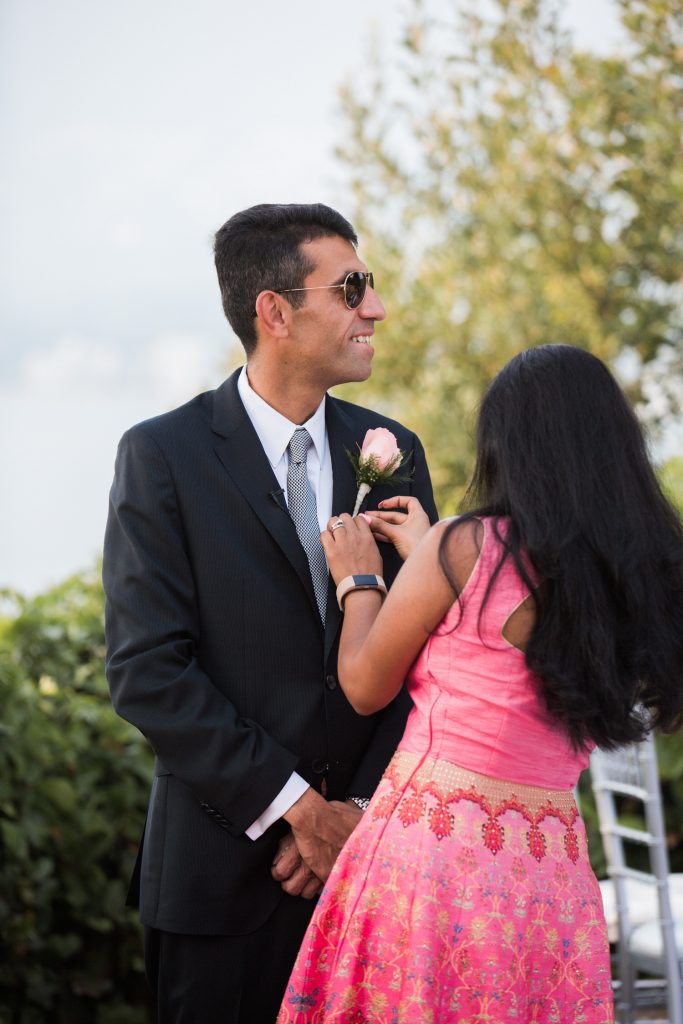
459 544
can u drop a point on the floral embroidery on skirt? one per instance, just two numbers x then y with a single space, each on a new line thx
458 898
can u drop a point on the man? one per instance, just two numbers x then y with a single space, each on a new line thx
222 625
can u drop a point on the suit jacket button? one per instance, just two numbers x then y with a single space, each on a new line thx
319 766
331 682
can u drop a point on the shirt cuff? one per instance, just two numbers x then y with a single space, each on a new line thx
293 788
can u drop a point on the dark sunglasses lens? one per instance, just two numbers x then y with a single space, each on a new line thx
354 288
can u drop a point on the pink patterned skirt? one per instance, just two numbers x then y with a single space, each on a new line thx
458 898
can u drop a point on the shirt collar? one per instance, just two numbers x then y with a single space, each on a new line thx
275 430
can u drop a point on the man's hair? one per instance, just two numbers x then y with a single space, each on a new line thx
260 249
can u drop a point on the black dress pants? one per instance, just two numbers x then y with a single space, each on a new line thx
226 979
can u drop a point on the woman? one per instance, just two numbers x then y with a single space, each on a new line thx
547 619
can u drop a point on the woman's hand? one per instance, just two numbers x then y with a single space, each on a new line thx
350 547
404 528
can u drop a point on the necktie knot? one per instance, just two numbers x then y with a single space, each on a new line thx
299 444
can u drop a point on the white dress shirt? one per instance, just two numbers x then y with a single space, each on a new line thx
275 432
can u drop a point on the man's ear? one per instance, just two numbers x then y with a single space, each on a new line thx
273 313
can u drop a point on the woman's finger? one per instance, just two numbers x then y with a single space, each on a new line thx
335 523
394 518
385 531
401 501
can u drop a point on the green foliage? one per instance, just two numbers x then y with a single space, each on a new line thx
73 786
511 190
672 480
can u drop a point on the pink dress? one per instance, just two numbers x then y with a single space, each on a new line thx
465 894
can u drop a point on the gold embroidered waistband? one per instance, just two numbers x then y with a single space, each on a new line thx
445 777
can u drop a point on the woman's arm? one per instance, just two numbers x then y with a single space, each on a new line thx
379 642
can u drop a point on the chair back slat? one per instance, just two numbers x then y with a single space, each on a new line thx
634 873
631 835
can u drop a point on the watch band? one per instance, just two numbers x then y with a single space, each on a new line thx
365 581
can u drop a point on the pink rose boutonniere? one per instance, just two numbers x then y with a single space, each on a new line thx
378 459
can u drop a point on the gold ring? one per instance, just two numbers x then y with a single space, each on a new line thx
336 525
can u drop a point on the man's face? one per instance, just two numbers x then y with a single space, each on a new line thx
333 344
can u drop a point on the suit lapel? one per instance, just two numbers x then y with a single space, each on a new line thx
342 436
241 453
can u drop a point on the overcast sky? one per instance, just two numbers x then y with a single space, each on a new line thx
131 131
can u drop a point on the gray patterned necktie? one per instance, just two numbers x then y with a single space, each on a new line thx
302 509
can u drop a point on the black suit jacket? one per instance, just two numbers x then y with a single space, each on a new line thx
216 651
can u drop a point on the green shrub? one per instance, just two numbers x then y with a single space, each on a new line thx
73 788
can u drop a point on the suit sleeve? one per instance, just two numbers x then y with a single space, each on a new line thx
393 718
234 768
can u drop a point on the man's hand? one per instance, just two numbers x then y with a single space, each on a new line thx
320 829
290 869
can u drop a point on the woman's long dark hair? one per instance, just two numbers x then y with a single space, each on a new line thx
560 452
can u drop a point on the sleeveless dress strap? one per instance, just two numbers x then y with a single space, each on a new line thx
508 591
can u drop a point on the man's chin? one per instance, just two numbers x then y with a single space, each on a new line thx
360 374
352 376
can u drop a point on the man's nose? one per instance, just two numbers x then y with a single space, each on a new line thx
372 308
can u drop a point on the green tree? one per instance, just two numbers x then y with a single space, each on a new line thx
672 481
512 190
73 788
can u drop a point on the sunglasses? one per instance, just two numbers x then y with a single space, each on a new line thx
355 286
